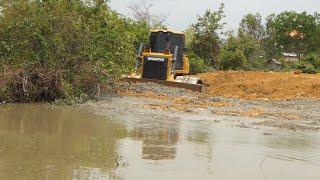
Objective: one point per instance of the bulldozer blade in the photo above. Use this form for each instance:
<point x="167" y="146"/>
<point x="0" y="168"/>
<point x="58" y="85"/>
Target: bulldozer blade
<point x="192" y="87"/>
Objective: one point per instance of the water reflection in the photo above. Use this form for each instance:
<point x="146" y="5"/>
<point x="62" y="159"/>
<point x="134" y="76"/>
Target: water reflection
<point x="159" y="138"/>
<point x="293" y="148"/>
<point x="45" y="142"/>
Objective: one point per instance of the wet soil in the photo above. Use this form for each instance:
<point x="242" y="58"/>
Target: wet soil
<point x="139" y="99"/>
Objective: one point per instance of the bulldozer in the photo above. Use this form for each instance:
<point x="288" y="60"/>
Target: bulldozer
<point x="163" y="61"/>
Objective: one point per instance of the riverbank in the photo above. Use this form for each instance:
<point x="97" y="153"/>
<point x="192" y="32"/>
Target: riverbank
<point x="152" y="101"/>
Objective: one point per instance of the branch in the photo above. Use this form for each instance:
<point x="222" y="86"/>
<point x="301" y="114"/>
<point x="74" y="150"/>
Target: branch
<point x="262" y="162"/>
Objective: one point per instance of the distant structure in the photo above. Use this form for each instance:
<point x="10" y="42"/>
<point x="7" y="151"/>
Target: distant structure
<point x="274" y="64"/>
<point x="290" y="57"/>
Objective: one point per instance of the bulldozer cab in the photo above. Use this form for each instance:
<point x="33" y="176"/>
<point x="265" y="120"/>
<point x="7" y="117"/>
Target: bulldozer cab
<point x="163" y="62"/>
<point x="162" y="41"/>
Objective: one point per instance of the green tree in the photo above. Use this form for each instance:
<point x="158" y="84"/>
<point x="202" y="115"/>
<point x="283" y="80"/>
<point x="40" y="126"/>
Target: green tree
<point x="197" y="65"/>
<point x="251" y="25"/>
<point x="292" y="32"/>
<point x="189" y="37"/>
<point x="63" y="49"/>
<point x="207" y="41"/>
<point x="232" y="55"/>
<point x="140" y="31"/>
<point x="251" y="33"/>
<point x="269" y="44"/>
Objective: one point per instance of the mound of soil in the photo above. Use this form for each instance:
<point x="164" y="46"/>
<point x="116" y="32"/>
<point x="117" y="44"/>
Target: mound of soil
<point x="261" y="85"/>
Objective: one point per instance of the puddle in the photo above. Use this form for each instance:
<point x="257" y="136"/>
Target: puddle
<point x="46" y="142"/>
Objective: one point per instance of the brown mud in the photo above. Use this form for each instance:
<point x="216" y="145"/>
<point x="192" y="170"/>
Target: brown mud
<point x="281" y="110"/>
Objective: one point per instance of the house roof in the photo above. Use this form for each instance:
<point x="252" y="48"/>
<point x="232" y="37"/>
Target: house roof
<point x="290" y="54"/>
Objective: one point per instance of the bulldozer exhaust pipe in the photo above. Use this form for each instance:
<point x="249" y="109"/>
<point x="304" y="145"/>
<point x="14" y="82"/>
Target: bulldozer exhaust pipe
<point x="174" y="60"/>
<point x="138" y="57"/>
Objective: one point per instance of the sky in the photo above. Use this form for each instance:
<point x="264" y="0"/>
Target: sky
<point x="182" y="13"/>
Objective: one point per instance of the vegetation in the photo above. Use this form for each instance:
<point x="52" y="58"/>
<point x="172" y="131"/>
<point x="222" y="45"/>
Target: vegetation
<point x="75" y="50"/>
<point x="63" y="49"/>
<point x="197" y="65"/>
<point x="232" y="55"/>
<point x="255" y="42"/>
<point x="142" y="12"/>
<point x="206" y="40"/>
<point x="310" y="64"/>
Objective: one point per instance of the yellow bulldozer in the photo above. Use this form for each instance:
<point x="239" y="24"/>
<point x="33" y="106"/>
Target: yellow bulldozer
<point x="163" y="61"/>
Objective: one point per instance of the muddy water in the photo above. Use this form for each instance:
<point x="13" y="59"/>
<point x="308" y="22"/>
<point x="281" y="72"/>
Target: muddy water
<point x="46" y="142"/>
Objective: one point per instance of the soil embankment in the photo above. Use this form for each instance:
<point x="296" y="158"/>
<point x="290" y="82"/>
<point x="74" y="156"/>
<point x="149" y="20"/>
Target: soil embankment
<point x="262" y="85"/>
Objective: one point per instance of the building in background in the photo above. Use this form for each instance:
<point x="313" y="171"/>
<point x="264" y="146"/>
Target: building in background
<point x="290" y="57"/>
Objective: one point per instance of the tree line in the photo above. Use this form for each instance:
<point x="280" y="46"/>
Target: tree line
<point x="255" y="41"/>
<point x="251" y="45"/>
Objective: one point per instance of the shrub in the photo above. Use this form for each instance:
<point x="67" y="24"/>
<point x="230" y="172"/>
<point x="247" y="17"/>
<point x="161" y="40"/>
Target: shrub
<point x="232" y="55"/>
<point x="309" y="64"/>
<point x="313" y="59"/>
<point x="232" y="60"/>
<point x="308" y="68"/>
<point x="197" y="65"/>
<point x="257" y="64"/>
<point x="63" y="49"/>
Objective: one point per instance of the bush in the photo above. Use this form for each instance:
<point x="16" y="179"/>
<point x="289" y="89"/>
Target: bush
<point x="313" y="59"/>
<point x="232" y="55"/>
<point x="309" y="64"/>
<point x="63" y="49"/>
<point x="257" y="64"/>
<point x="308" y="68"/>
<point x="286" y="65"/>
<point x="234" y="60"/>
<point x="197" y="65"/>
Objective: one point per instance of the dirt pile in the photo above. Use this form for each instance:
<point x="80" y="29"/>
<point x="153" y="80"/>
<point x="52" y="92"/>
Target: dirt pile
<point x="261" y="85"/>
<point x="230" y="84"/>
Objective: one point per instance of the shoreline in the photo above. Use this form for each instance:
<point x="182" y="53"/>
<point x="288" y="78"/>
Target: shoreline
<point x="143" y="101"/>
